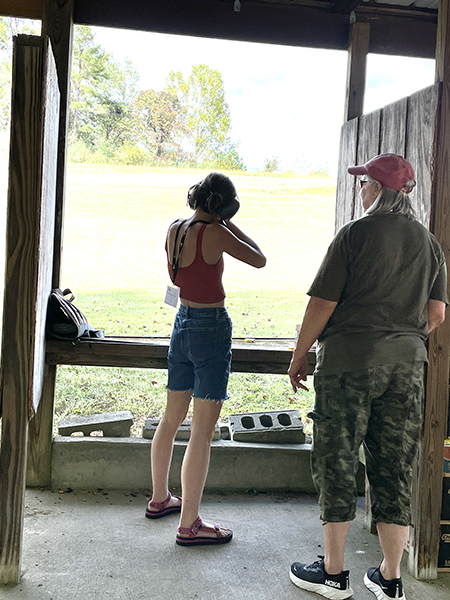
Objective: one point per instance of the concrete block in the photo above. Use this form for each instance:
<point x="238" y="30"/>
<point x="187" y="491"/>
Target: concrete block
<point x="271" y="427"/>
<point x="183" y="433"/>
<point x="114" y="424"/>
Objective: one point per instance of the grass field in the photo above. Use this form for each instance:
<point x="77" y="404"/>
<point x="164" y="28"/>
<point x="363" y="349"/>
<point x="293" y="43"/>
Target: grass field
<point x="114" y="261"/>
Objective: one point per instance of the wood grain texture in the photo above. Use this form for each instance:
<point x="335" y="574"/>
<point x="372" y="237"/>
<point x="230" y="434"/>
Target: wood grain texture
<point x="260" y="356"/>
<point x="393" y="127"/>
<point x="28" y="274"/>
<point x="26" y="9"/>
<point x="443" y="43"/>
<point x="58" y="25"/>
<point x="368" y="147"/>
<point x="422" y="114"/>
<point x="40" y="434"/>
<point x="358" y="48"/>
<point x="45" y="219"/>
<point x="345" y="190"/>
<point x="427" y="483"/>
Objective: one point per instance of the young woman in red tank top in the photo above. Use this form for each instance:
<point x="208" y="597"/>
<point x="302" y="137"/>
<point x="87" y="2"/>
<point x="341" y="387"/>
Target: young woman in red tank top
<point x="200" y="350"/>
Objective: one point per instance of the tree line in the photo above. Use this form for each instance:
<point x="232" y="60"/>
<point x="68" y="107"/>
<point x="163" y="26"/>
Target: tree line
<point x="112" y="119"/>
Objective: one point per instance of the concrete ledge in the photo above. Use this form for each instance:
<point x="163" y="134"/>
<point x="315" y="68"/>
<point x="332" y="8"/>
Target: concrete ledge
<point x="124" y="463"/>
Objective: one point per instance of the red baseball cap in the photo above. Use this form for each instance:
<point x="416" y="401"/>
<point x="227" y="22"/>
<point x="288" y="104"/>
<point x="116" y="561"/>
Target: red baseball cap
<point x="391" y="170"/>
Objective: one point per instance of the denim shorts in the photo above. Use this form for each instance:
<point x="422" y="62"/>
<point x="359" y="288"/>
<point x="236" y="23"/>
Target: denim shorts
<point x="199" y="356"/>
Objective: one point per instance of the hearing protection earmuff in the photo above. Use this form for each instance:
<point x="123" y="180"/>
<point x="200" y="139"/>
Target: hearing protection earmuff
<point x="224" y="212"/>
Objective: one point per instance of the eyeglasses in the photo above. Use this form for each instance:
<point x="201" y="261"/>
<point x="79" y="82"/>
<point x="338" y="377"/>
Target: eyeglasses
<point x="362" y="182"/>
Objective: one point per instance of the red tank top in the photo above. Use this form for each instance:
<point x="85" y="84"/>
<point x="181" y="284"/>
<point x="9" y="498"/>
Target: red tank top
<point x="200" y="282"/>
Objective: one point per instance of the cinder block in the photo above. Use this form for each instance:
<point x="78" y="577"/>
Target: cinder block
<point x="183" y="433"/>
<point x="114" y="424"/>
<point x="271" y="427"/>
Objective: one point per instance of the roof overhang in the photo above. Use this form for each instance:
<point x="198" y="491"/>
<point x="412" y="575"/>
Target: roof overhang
<point x="395" y="28"/>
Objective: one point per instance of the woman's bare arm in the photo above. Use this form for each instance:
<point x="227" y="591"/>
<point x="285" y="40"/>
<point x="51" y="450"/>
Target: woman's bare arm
<point x="232" y="240"/>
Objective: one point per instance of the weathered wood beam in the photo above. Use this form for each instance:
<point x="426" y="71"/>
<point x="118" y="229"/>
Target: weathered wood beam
<point x="24" y="9"/>
<point x="29" y="252"/>
<point x="427" y="482"/>
<point x="397" y="31"/>
<point x="58" y="25"/>
<point x="443" y="42"/>
<point x="345" y="7"/>
<point x="358" y="48"/>
<point x="260" y="356"/>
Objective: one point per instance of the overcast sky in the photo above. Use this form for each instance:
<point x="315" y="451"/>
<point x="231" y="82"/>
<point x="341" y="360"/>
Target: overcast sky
<point x="284" y="101"/>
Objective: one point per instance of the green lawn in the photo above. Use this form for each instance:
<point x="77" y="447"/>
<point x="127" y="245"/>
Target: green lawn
<point x="114" y="261"/>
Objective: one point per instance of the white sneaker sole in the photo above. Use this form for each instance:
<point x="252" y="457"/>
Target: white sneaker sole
<point x="320" y="588"/>
<point x="373" y="587"/>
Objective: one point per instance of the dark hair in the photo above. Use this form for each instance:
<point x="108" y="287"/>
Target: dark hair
<point x="216" y="190"/>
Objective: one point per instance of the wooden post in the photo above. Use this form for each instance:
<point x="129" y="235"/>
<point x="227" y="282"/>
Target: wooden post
<point x="29" y="254"/>
<point x="443" y="43"/>
<point x="358" y="49"/>
<point x="427" y="476"/>
<point x="427" y="481"/>
<point x="58" y="25"/>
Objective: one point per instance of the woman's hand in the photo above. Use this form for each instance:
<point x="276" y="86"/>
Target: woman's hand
<point x="298" y="371"/>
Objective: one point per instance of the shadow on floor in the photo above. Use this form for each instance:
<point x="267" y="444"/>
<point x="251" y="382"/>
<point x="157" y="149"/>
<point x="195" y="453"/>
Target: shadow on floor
<point x="98" y="545"/>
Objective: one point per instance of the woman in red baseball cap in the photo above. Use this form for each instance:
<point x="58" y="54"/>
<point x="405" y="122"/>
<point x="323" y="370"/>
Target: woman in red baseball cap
<point x="381" y="289"/>
<point x="386" y="181"/>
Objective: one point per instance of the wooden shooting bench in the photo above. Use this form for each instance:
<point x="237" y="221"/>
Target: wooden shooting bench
<point x="250" y="355"/>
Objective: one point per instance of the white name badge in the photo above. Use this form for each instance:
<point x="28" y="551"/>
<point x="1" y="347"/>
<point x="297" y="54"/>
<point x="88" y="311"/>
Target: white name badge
<point x="172" y="295"/>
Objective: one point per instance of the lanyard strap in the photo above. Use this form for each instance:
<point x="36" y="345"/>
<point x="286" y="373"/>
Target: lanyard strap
<point x="175" y="258"/>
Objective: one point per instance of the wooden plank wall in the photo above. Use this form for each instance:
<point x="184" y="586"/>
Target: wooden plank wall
<point x="427" y="474"/>
<point x="368" y="146"/>
<point x="345" y="183"/>
<point x="422" y="113"/>
<point x="404" y="127"/>
<point x="29" y="256"/>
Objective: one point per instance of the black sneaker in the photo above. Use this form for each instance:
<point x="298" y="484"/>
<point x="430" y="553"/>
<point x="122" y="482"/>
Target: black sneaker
<point x="382" y="588"/>
<point x="314" y="578"/>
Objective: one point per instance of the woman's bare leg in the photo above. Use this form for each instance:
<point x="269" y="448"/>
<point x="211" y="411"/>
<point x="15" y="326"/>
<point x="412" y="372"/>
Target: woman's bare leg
<point x="162" y="444"/>
<point x="196" y="460"/>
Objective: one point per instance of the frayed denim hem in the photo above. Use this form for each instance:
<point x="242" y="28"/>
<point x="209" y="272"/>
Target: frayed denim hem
<point x="211" y="400"/>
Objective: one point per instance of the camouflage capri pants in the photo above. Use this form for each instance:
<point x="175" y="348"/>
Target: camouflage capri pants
<point x="380" y="407"/>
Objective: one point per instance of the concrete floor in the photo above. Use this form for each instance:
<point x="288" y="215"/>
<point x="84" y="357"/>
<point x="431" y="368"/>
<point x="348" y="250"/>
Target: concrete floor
<point x="83" y="545"/>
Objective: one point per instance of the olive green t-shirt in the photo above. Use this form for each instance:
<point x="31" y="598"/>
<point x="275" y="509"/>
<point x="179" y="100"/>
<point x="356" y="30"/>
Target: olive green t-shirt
<point x="381" y="270"/>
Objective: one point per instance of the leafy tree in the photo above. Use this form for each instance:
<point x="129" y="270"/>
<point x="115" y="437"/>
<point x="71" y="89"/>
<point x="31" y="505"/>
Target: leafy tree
<point x="202" y="95"/>
<point x="160" y="123"/>
<point x="102" y="93"/>
<point x="272" y="164"/>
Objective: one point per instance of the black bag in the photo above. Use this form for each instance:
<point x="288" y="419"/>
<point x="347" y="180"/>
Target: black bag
<point x="65" y="321"/>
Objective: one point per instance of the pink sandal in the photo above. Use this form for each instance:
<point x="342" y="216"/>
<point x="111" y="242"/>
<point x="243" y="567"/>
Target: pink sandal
<point x="189" y="536"/>
<point x="161" y="508"/>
